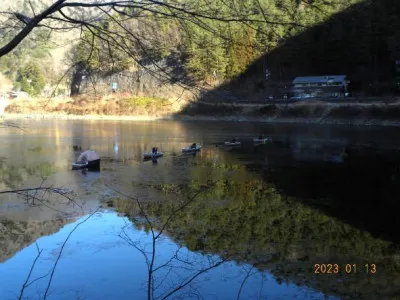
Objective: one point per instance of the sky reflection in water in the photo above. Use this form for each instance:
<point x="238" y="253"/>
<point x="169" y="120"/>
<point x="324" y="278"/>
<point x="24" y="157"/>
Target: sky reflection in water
<point x="98" y="264"/>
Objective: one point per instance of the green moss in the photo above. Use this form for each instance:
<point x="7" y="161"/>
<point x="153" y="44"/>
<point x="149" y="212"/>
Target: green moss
<point x="36" y="149"/>
<point x="123" y="205"/>
<point x="46" y="169"/>
<point x="145" y="102"/>
<point x="169" y="188"/>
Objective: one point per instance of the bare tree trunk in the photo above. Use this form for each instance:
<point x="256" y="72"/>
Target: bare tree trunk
<point x="77" y="79"/>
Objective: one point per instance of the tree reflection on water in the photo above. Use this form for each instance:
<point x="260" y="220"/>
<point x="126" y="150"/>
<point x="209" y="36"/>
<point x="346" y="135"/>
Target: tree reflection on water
<point x="269" y="225"/>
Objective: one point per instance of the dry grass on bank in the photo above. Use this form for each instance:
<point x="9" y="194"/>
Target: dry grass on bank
<point x="111" y="105"/>
<point x="203" y="109"/>
<point x="301" y="110"/>
<point x="331" y="111"/>
<point x="128" y="105"/>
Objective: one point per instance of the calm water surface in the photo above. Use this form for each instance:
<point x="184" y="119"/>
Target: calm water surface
<point x="248" y="223"/>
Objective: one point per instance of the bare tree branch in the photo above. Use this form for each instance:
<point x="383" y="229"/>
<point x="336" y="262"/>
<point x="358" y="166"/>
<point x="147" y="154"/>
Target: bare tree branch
<point x="248" y="274"/>
<point x="177" y="11"/>
<point x="50" y="189"/>
<point x="32" y="195"/>
<point x="33" y="22"/>
<point x="39" y="252"/>
<point x="192" y="278"/>
<point x="62" y="248"/>
<point x="150" y="258"/>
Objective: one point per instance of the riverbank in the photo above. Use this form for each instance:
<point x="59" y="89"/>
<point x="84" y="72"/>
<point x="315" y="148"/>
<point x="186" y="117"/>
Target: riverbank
<point x="303" y="113"/>
<point x="118" y="106"/>
<point x="306" y="112"/>
<point x="63" y="116"/>
<point x="52" y="116"/>
<point x="293" y="120"/>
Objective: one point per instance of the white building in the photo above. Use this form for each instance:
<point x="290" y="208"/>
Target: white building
<point x="320" y="86"/>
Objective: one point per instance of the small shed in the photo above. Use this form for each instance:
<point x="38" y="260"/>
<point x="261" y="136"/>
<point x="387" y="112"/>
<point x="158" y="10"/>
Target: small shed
<point x="320" y="86"/>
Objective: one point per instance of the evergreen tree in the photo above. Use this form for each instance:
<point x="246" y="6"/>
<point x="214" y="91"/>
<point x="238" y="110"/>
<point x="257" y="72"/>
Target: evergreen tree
<point x="30" y="79"/>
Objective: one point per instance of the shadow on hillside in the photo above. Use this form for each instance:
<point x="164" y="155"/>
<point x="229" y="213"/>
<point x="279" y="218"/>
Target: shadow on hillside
<point x="362" y="41"/>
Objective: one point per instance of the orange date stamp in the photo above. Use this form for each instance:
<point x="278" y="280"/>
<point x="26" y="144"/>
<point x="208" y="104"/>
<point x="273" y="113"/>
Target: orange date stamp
<point x="344" y="268"/>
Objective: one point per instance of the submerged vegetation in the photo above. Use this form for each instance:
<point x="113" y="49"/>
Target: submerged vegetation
<point x="12" y="176"/>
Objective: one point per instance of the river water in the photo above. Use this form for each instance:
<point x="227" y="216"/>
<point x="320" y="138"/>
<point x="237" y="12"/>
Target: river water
<point x="312" y="214"/>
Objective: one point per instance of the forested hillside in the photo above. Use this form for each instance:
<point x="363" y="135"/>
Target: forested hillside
<point x="253" y="46"/>
<point x="38" y="63"/>
<point x="361" y="41"/>
<point x="207" y="50"/>
<point x="30" y="66"/>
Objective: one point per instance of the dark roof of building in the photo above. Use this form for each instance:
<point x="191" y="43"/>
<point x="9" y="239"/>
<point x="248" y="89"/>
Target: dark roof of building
<point x="320" y="79"/>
